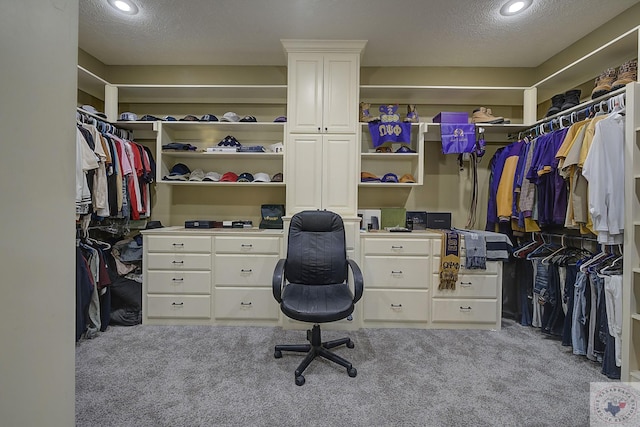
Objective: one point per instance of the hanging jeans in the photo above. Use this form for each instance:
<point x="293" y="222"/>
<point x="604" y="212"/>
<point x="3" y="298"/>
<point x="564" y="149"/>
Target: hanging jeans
<point x="609" y="367"/>
<point x="553" y="314"/>
<point x="569" y="293"/>
<point x="580" y="315"/>
<point x="595" y="346"/>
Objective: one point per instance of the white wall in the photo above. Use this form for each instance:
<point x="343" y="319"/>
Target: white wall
<point x="38" y="55"/>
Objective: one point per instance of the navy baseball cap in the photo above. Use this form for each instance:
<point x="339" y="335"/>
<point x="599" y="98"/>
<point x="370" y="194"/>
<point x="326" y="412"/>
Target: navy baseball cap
<point x="245" y="177"/>
<point x="209" y="118"/>
<point x="248" y="119"/>
<point x="390" y="177"/>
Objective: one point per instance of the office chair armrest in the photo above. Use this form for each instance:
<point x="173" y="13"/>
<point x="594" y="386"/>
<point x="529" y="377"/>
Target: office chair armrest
<point x="358" y="281"/>
<point x="278" y="278"/>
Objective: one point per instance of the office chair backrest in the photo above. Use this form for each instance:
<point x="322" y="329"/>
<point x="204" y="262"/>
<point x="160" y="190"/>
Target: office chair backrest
<point x="316" y="252"/>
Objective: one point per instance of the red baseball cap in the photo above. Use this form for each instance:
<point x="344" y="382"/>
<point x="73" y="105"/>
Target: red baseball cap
<point x="229" y="177"/>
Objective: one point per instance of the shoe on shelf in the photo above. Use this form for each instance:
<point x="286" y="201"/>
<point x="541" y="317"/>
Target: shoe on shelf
<point x="556" y="104"/>
<point x="365" y="115"/>
<point x="571" y="99"/>
<point x="412" y="114"/>
<point x="627" y="73"/>
<point x="484" y="115"/>
<point x="604" y="82"/>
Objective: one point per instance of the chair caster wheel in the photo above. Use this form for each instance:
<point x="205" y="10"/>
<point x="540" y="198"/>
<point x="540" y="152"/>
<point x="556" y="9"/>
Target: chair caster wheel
<point x="350" y="344"/>
<point x="277" y="354"/>
<point x="352" y="372"/>
<point x="299" y="380"/>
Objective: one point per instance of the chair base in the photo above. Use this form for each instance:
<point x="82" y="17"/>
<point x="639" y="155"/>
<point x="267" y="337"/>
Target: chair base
<point x="314" y="349"/>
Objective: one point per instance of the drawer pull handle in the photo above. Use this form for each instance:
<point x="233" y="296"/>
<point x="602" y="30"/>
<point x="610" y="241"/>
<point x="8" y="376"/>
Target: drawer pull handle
<point x="242" y="270"/>
<point x="396" y="272"/>
<point x="246" y="246"/>
<point x="177" y="303"/>
<point x="396" y="305"/>
<point x="245" y="303"/>
<point x="177" y="262"/>
<point x="396" y="247"/>
<point x="465" y="308"/>
<point x="178" y="279"/>
<point x="466" y="284"/>
<point x="179" y="245"/>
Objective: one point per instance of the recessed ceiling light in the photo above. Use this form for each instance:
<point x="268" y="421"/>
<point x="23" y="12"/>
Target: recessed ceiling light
<point x="124" y="6"/>
<point x="513" y="7"/>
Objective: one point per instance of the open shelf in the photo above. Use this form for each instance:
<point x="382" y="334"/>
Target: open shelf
<point x="193" y="94"/>
<point x="444" y="95"/>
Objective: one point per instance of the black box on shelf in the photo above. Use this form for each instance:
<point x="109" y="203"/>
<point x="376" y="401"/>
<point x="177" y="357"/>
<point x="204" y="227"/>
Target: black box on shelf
<point x="416" y="220"/>
<point x="200" y="223"/>
<point x="439" y="220"/>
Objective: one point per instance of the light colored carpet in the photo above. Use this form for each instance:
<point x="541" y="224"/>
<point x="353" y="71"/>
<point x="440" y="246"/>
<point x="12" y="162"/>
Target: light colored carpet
<point x="227" y="376"/>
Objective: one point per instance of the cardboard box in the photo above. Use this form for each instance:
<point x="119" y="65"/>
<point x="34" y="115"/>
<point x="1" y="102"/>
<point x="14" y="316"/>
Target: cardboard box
<point x="451" y="117"/>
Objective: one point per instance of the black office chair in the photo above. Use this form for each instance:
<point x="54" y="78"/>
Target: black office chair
<point x="311" y="284"/>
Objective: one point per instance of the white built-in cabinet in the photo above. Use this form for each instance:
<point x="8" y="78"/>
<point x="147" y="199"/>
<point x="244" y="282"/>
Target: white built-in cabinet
<point x="322" y="125"/>
<point x="631" y="274"/>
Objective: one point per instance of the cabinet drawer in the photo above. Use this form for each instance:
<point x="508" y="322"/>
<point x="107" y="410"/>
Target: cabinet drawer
<point x="245" y="303"/>
<point x="177" y="262"/>
<point x="179" y="306"/>
<point x="468" y="286"/>
<point x="178" y="282"/>
<point x="464" y="310"/>
<point x="396" y="246"/>
<point x="179" y="244"/>
<point x="396" y="272"/>
<point x="244" y="270"/>
<point x="492" y="266"/>
<point x="247" y="245"/>
<point x="396" y="305"/>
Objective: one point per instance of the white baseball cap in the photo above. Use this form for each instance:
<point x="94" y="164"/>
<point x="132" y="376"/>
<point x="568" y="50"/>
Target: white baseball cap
<point x="261" y="177"/>
<point x="230" y="116"/>
<point x="212" y="176"/>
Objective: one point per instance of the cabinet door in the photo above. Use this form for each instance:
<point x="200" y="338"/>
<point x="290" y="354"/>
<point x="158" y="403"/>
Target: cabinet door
<point x="340" y="95"/>
<point x="304" y="173"/>
<point x="340" y="165"/>
<point x="305" y="90"/>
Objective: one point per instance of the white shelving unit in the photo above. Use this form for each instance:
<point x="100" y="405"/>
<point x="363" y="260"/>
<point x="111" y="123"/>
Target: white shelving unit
<point x="631" y="273"/>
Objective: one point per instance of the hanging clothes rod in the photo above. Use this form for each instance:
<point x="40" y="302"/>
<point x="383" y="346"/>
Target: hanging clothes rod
<point x="569" y="116"/>
<point x="123" y="133"/>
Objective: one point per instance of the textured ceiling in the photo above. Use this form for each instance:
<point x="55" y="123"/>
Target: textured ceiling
<point x="399" y="32"/>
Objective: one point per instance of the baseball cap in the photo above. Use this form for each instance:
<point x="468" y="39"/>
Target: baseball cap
<point x="280" y="119"/>
<point x="277" y="177"/>
<point x="149" y="118"/>
<point x="245" y="177"/>
<point x="368" y="177"/>
<point x="248" y="119"/>
<point x="212" y="176"/>
<point x="179" y="172"/>
<point x="390" y="177"/>
<point x="229" y="177"/>
<point x="405" y="149"/>
<point x="229" y="141"/>
<point x="169" y="119"/>
<point x="128" y="116"/>
<point x="230" y="116"/>
<point x="189" y="118"/>
<point x="91" y="109"/>
<point x="196" y="175"/>
<point x="261" y="177"/>
<point x="407" y="177"/>
<point x="209" y="118"/>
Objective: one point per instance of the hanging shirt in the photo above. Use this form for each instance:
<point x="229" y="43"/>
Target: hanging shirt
<point x="604" y="170"/>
